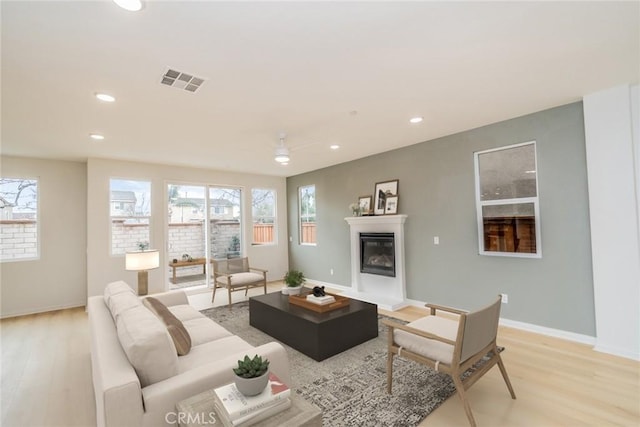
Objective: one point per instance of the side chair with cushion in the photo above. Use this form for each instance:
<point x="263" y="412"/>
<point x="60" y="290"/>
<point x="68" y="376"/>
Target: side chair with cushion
<point x="235" y="274"/>
<point x="450" y="345"/>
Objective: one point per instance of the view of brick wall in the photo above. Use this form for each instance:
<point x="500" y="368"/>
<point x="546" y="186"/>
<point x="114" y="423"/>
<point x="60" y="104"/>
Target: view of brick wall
<point x="18" y="239"/>
<point x="222" y="233"/>
<point x="125" y="237"/>
<point x="186" y="238"/>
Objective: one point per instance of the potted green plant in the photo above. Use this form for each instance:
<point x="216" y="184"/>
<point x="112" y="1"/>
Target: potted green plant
<point x="293" y="280"/>
<point x="251" y="375"/>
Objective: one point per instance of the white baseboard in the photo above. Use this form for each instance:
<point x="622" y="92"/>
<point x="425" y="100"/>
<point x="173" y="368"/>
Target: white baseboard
<point x="327" y="284"/>
<point x="617" y="352"/>
<point x="5" y="315"/>
<point x="550" y="332"/>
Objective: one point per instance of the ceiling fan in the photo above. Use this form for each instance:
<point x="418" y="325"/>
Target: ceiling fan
<point x="282" y="152"/>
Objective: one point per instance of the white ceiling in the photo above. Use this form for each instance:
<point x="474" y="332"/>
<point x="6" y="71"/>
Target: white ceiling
<point x="347" y="73"/>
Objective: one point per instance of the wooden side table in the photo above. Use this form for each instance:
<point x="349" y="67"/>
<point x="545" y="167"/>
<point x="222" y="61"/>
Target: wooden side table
<point x="193" y="262"/>
<point x="199" y="411"/>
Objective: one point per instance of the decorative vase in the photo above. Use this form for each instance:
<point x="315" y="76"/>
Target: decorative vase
<point x="252" y="386"/>
<point x="294" y="290"/>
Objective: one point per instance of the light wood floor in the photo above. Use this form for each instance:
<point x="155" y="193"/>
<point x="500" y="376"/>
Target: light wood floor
<point x="46" y="378"/>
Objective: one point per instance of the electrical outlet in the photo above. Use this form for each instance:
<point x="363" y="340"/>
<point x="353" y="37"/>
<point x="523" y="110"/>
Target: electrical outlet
<point x="331" y="271"/>
<point x="436" y="240"/>
<point x="505" y="298"/>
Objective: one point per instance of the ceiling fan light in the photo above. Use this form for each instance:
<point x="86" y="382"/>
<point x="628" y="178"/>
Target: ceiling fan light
<point x="282" y="155"/>
<point x="130" y="5"/>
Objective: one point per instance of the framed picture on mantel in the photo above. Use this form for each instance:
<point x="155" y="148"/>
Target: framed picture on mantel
<point x="391" y="205"/>
<point x="384" y="190"/>
<point x="365" y="204"/>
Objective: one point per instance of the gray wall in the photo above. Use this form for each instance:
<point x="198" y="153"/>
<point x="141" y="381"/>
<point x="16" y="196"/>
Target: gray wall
<point x="436" y="191"/>
<point x="58" y="279"/>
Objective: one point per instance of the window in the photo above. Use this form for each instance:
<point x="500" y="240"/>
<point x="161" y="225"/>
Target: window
<point x="307" y="203"/>
<point x="507" y="201"/>
<point x="225" y="207"/>
<point x="263" y="208"/>
<point x="130" y="214"/>
<point x="18" y="219"/>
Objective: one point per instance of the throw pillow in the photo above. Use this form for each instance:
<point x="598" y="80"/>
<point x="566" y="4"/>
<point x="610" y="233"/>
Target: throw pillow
<point x="147" y="344"/>
<point x="178" y="332"/>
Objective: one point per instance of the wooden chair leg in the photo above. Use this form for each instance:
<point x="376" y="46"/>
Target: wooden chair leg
<point x="213" y="297"/>
<point x="389" y="371"/>
<point x="229" y="289"/>
<point x="265" y="287"/>
<point x="503" y="371"/>
<point x="463" y="398"/>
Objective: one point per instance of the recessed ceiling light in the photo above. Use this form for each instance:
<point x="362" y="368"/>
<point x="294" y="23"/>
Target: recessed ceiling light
<point x="334" y="146"/>
<point x="130" y="5"/>
<point x="415" y="120"/>
<point x="104" y="97"/>
<point x="96" y="136"/>
<point x="284" y="163"/>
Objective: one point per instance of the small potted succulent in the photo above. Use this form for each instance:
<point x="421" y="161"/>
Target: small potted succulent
<point x="251" y="375"/>
<point x="293" y="280"/>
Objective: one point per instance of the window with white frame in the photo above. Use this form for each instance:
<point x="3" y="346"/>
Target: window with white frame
<point x="130" y="211"/>
<point x="263" y="208"/>
<point x="307" y="204"/>
<point x="19" y="239"/>
<point x="507" y="201"/>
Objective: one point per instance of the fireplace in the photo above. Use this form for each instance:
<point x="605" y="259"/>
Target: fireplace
<point x="377" y="254"/>
<point x="385" y="285"/>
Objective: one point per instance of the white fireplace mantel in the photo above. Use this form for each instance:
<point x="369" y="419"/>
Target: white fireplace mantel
<point x="389" y="293"/>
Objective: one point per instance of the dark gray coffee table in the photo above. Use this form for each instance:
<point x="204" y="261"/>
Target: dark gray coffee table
<point x="318" y="335"/>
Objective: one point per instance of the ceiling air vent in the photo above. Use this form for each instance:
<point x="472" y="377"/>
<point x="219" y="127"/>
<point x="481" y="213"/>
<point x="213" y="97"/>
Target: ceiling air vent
<point x="181" y="80"/>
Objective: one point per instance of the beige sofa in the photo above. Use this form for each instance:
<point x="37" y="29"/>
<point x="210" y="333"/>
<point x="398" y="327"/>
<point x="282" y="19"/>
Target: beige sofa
<point x="137" y="375"/>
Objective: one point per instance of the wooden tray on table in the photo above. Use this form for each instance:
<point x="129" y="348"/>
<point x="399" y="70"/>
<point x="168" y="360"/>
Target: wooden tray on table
<point x="301" y="300"/>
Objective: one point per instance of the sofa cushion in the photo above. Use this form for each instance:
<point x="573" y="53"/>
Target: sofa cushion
<point x="240" y="279"/>
<point x="203" y="330"/>
<point x="147" y="344"/>
<point x="213" y="351"/>
<point x="117" y="303"/>
<point x="185" y="312"/>
<point x="115" y="288"/>
<point x="176" y="329"/>
<point x="437" y="350"/>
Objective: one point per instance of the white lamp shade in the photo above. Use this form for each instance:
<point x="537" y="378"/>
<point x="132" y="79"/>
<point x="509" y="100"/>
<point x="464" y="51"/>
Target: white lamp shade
<point x="145" y="260"/>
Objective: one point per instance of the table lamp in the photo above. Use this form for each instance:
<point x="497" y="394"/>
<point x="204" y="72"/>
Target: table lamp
<point x="141" y="262"/>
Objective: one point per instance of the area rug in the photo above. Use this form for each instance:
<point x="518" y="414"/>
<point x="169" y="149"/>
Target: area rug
<point x="350" y="387"/>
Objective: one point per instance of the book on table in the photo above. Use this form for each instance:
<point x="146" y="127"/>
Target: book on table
<point x="238" y="408"/>
<point x="254" y="417"/>
<point x="327" y="299"/>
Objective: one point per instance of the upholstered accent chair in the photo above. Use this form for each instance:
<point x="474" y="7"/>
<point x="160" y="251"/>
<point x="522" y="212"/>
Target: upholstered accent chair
<point x="235" y="274"/>
<point x="450" y="345"/>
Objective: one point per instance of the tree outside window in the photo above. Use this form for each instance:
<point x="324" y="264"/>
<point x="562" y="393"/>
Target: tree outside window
<point x="130" y="210"/>
<point x="263" y="209"/>
<point x="307" y="203"/>
<point x="19" y="240"/>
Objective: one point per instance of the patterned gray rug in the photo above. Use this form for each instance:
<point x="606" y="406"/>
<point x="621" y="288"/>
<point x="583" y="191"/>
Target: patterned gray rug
<point x="350" y="387"/>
